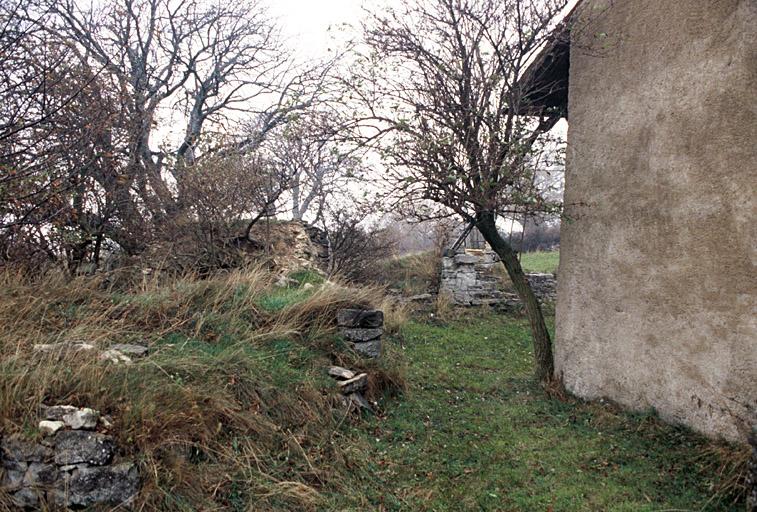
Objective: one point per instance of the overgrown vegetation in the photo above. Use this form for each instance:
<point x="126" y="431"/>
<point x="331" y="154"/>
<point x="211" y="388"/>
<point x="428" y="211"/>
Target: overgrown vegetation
<point x="231" y="410"/>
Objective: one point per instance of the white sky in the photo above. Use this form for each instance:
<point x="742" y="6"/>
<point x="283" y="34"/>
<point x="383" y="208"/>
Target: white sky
<point x="306" y="23"/>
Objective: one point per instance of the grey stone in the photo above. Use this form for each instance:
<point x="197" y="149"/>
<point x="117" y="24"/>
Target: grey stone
<point x="84" y="418"/>
<point x="56" y="412"/>
<point x="423" y="297"/>
<point x="130" y="349"/>
<point x="361" y="335"/>
<point x="48" y="427"/>
<point x="466" y="259"/>
<point x="26" y="498"/>
<point x="341" y="373"/>
<point x="40" y="474"/>
<point x="357" y="383"/>
<point x="357" y="401"/>
<point x="368" y="348"/>
<point x="11" y="479"/>
<point x="114" y="356"/>
<point x="76" y="446"/>
<point x="114" y="485"/>
<point x="365" y="318"/>
<point x="16" y="448"/>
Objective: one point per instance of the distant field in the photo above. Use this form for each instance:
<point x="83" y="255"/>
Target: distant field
<point x="540" y="261"/>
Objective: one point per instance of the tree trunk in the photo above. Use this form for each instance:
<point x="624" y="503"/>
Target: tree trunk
<point x="545" y="365"/>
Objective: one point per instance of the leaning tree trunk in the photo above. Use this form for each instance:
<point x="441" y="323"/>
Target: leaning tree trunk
<point x="545" y="364"/>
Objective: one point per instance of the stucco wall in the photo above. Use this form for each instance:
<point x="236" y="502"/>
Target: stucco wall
<point x="656" y="297"/>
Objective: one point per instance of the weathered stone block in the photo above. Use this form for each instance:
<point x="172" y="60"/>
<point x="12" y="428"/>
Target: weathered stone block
<point x="12" y="479"/>
<point x="365" y="318"/>
<point x="360" y="335"/>
<point x="357" y="383"/>
<point x="466" y="259"/>
<point x="48" y="428"/>
<point x="26" y="498"/>
<point x="109" y="484"/>
<point x="76" y="446"/>
<point x="130" y="349"/>
<point x="40" y="474"/>
<point x="56" y="412"/>
<point x="16" y="448"/>
<point x="369" y="348"/>
<point x="85" y="418"/>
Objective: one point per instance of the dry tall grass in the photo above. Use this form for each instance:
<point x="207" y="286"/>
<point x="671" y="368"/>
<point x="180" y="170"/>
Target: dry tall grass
<point x="231" y="410"/>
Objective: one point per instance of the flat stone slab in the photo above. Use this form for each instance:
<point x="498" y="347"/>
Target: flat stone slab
<point x="340" y="373"/>
<point x="114" y="484"/>
<point x="357" y="383"/>
<point x="77" y="446"/>
<point x="130" y="349"/>
<point x="56" y="412"/>
<point x="365" y="318"/>
<point x="360" y="335"/>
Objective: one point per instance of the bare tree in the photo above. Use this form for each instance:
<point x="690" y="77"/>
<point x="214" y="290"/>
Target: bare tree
<point x="447" y="106"/>
<point x="309" y="151"/>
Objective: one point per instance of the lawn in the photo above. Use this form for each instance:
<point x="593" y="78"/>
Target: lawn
<point x="540" y="261"/>
<point x="475" y="433"/>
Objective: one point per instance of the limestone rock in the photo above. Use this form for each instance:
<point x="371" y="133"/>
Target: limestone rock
<point x="130" y="349"/>
<point x="62" y="348"/>
<point x="357" y="383"/>
<point x="88" y="486"/>
<point x="84" y="418"/>
<point x="360" y="335"/>
<point x="40" y="474"/>
<point x="466" y="259"/>
<point x="365" y="318"/>
<point x="114" y="356"/>
<point x="340" y="373"/>
<point x="16" y="448"/>
<point x="12" y="479"/>
<point x="77" y="446"/>
<point x="356" y="401"/>
<point x="49" y="428"/>
<point x="370" y="349"/>
<point x="26" y="498"/>
<point x="56" y="412"/>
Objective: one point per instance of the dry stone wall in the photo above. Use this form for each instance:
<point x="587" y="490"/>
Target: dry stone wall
<point x="469" y="280"/>
<point x="74" y="465"/>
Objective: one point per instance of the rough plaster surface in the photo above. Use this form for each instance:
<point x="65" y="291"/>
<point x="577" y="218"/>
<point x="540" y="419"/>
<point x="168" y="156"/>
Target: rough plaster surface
<point x="656" y="298"/>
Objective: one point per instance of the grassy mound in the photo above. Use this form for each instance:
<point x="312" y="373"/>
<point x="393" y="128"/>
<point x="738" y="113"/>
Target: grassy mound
<point x="231" y="409"/>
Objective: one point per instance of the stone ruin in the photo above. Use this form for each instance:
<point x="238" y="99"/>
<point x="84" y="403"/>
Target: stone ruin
<point x="467" y="275"/>
<point x="362" y="329"/>
<point x="74" y="464"/>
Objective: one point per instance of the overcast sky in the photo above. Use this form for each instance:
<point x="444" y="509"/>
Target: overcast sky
<point x="306" y="23"/>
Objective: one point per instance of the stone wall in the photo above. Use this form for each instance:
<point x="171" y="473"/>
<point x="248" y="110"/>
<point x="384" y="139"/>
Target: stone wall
<point x="656" y="302"/>
<point x="74" y="463"/>
<point x="468" y="279"/>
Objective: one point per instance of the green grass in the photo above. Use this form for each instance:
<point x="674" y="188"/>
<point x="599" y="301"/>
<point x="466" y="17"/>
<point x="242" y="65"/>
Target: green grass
<point x="540" y="261"/>
<point x="474" y="433"/>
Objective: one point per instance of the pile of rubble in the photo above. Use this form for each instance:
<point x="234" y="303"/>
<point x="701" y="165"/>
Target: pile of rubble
<point x="351" y="386"/>
<point x="118" y="353"/>
<point x="73" y="465"/>
<point x="362" y="328"/>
